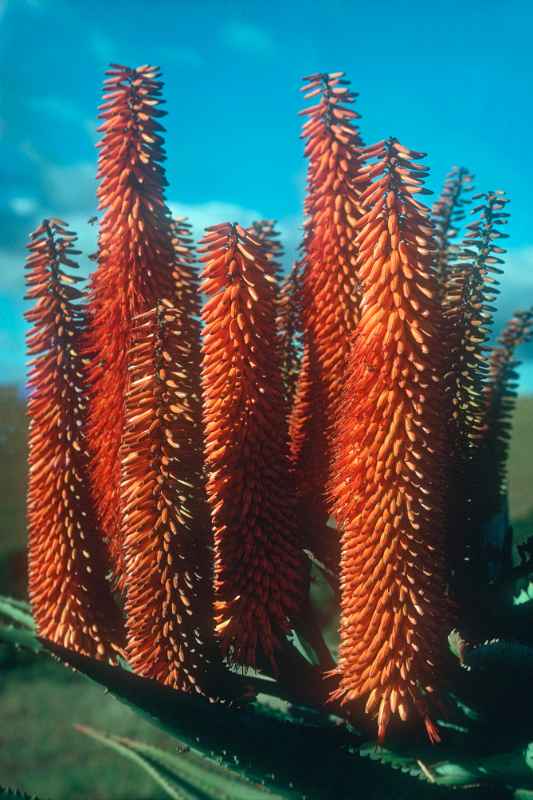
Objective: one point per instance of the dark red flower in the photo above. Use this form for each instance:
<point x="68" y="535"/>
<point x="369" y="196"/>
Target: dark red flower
<point x="71" y="600"/>
<point x="390" y="466"/>
<point x="165" y="519"/>
<point x="331" y="291"/>
<point x="135" y="268"/>
<point x="258" y="561"/>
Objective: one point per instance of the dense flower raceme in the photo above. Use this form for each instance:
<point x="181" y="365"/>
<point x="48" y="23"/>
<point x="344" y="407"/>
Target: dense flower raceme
<point x="135" y="269"/>
<point x="164" y="511"/>
<point x="70" y="597"/>
<point x="448" y="214"/>
<point x="331" y="295"/>
<point x="258" y="560"/>
<point x="210" y="472"/>
<point x="499" y="401"/>
<point x="469" y="291"/>
<point x="389" y="469"/>
<point x="289" y="325"/>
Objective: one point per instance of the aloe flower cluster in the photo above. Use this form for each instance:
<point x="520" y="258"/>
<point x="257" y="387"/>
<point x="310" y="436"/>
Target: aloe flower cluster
<point x="208" y="437"/>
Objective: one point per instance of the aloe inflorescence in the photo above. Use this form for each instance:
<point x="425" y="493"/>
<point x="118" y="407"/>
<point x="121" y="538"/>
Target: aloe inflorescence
<point x="208" y="441"/>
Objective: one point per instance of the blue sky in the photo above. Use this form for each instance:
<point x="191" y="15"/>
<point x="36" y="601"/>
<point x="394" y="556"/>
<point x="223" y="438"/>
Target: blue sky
<point x="452" y="79"/>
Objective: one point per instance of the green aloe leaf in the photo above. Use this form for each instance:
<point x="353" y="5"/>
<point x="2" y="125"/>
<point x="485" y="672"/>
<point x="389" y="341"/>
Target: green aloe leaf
<point x="17" y="611"/>
<point x="315" y="757"/>
<point x="20" y="637"/>
<point x="16" y="794"/>
<point x="168" y="785"/>
<point x="196" y="773"/>
<point x="452" y="768"/>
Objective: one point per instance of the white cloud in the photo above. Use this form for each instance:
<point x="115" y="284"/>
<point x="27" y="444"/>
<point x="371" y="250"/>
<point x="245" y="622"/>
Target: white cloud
<point x="202" y="215"/>
<point x="12" y="272"/>
<point x="518" y="268"/>
<point x="516" y="283"/>
<point x="247" y="38"/>
<point x="23" y="206"/>
<point x="71" y="187"/>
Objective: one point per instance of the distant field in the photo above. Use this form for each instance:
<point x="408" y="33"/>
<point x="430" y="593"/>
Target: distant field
<point x="521" y="461"/>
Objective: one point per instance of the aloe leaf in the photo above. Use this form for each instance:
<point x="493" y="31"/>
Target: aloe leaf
<point x="524" y="596"/>
<point x="16" y="794"/>
<point x="264" y="746"/>
<point x="112" y="742"/>
<point x="405" y="762"/>
<point x="20" y="637"/>
<point x="17" y="611"/>
<point x="199" y="773"/>
<point x="456" y="769"/>
<point x="14" y="601"/>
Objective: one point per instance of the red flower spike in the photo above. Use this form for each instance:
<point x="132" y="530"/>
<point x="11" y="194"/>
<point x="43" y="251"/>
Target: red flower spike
<point x="331" y="291"/>
<point x="259" y="575"/>
<point x="70" y="597"/>
<point x="390" y="464"/>
<point x="135" y="261"/>
<point x="499" y="400"/>
<point x="288" y="323"/>
<point x="165" y="515"/>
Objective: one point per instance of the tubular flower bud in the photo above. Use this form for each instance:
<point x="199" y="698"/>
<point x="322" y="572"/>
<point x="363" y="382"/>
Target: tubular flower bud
<point x="331" y="290"/>
<point x="135" y="260"/>
<point x="301" y="418"/>
<point x="471" y="289"/>
<point x="288" y="323"/>
<point x="259" y="577"/>
<point x="265" y="232"/>
<point x="70" y="597"/>
<point x="165" y="516"/>
<point x="388" y="480"/>
<point x="448" y="214"/>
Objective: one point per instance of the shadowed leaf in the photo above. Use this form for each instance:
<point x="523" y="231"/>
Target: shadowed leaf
<point x="189" y="769"/>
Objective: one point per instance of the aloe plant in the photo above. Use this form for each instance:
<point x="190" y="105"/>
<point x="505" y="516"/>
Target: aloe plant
<point x="181" y="478"/>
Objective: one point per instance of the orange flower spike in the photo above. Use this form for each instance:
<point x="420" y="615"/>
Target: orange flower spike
<point x="288" y="323"/>
<point x="388" y="478"/>
<point x="71" y="600"/>
<point x="164" y="508"/>
<point x="300" y="415"/>
<point x="135" y="256"/>
<point x="259" y="577"/>
<point x="331" y="291"/>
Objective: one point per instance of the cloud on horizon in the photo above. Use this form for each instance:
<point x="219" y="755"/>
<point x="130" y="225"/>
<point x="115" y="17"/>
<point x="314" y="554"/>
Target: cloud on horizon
<point x="247" y="38"/>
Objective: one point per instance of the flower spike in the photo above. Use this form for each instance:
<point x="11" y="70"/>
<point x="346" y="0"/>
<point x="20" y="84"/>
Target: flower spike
<point x="71" y="600"/>
<point x="499" y="402"/>
<point x="448" y="213"/>
<point x="471" y="288"/>
<point x="265" y="232"/>
<point x="165" y="515"/>
<point x="390" y="464"/>
<point x="135" y="260"/>
<point x="289" y="323"/>
<point x="331" y="289"/>
<point x="258" y="560"/>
